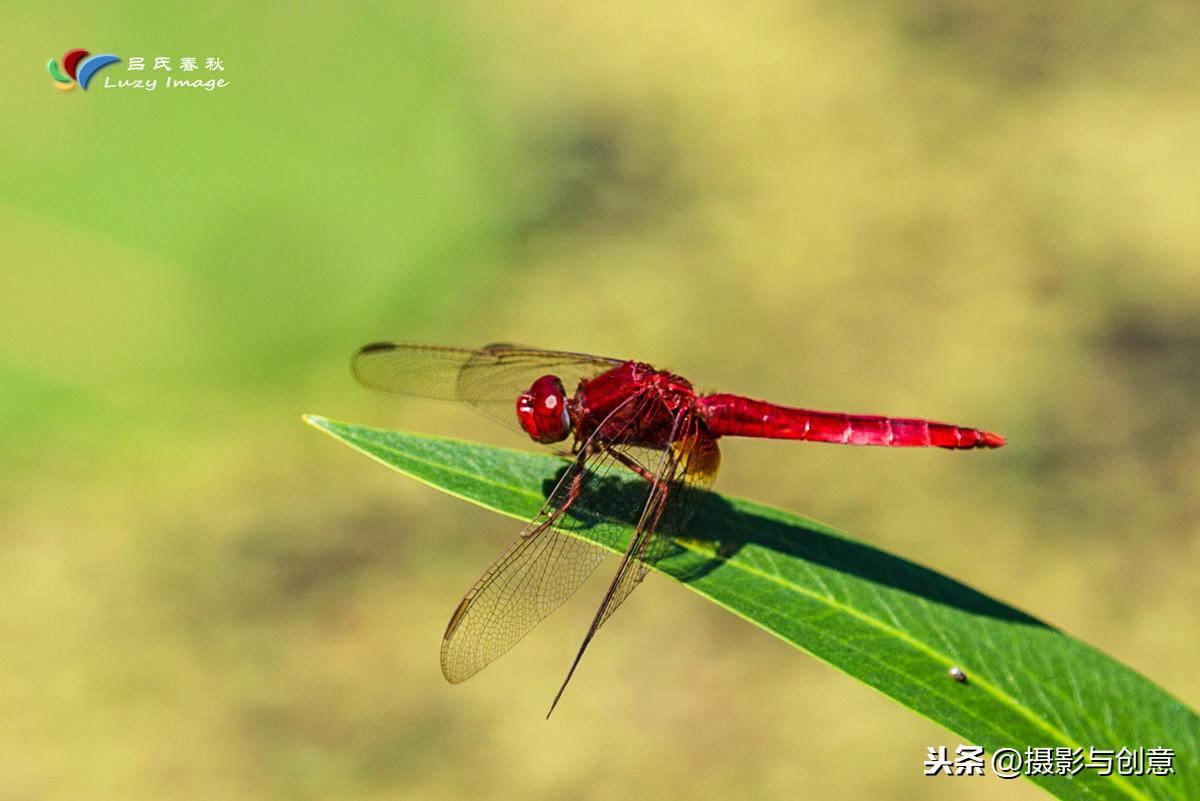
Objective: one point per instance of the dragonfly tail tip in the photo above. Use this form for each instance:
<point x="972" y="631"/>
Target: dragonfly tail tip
<point x="991" y="440"/>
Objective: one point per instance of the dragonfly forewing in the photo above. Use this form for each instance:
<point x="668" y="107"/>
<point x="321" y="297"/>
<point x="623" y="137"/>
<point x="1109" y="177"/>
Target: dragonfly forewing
<point x="545" y="565"/>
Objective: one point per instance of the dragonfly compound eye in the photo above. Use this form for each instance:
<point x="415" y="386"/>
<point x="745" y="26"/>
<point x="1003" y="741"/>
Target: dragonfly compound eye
<point x="542" y="410"/>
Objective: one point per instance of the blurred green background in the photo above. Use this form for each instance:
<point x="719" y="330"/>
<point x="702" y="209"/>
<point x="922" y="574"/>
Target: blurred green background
<point x="981" y="212"/>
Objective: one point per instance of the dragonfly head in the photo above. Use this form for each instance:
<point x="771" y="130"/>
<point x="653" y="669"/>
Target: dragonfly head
<point x="542" y="410"/>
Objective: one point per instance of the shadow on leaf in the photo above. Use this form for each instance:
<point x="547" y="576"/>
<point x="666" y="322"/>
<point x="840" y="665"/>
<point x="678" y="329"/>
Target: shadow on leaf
<point x="714" y="533"/>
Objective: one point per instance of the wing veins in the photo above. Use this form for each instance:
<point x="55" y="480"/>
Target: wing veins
<point x="519" y="567"/>
<point x="654" y="504"/>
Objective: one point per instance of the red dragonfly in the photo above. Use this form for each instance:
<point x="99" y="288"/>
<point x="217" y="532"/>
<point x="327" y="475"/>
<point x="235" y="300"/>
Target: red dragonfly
<point x="623" y="418"/>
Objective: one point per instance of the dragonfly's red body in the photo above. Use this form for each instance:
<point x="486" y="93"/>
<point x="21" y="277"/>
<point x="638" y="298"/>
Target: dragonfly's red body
<point x="596" y="407"/>
<point x="624" y="417"/>
<point x="736" y="416"/>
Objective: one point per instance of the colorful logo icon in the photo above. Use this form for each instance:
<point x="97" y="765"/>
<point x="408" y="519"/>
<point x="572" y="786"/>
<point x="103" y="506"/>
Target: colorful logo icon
<point x="78" y="66"/>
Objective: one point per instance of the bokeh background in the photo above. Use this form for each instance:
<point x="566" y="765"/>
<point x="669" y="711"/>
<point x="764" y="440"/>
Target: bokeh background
<point x="983" y="212"/>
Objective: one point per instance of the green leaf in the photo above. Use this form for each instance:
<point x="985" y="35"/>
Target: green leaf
<point x="893" y="625"/>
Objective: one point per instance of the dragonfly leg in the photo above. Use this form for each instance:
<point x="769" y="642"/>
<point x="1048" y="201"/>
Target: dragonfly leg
<point x="632" y="465"/>
<point x="658" y="484"/>
<point x="573" y="493"/>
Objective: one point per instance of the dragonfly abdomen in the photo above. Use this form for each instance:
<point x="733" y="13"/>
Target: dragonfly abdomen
<point x="735" y="416"/>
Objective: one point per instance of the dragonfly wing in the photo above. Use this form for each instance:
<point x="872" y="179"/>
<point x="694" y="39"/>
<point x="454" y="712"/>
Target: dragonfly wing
<point x="543" y="567"/>
<point x="489" y="378"/>
<point x="536" y="575"/>
<point x="686" y="470"/>
<point x="676" y="478"/>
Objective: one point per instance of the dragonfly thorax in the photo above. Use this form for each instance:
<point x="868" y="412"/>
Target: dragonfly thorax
<point x="542" y="410"/>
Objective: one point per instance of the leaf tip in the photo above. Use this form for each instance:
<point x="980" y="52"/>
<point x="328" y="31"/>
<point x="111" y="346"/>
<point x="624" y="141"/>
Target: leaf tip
<point x="316" y="421"/>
